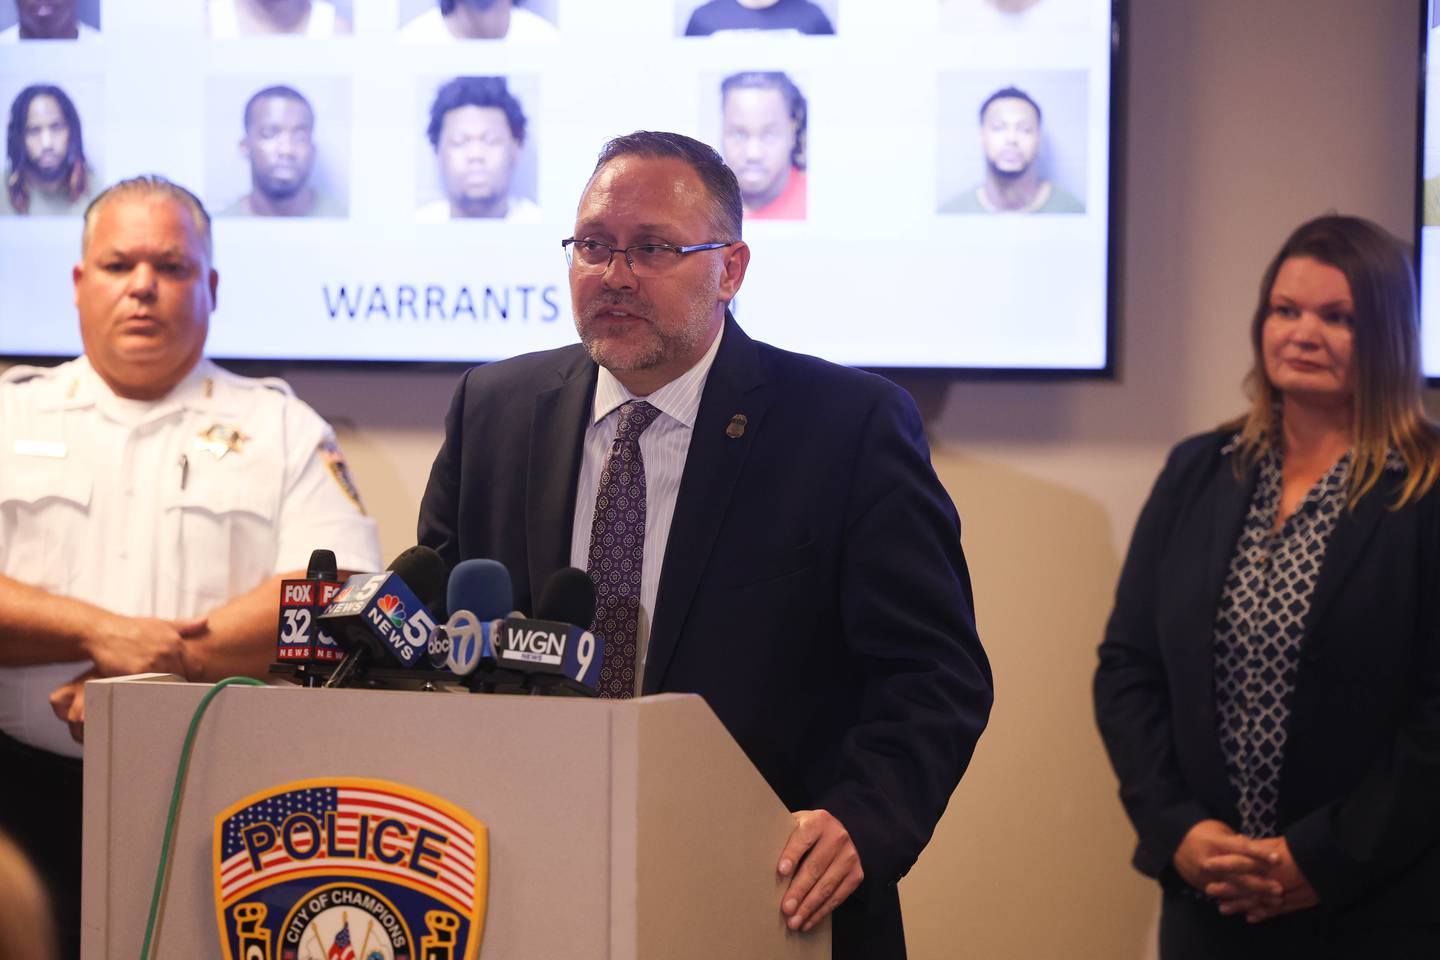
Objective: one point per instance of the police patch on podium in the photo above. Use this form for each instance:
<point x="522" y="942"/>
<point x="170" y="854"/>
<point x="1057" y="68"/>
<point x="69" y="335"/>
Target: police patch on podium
<point x="346" y="868"/>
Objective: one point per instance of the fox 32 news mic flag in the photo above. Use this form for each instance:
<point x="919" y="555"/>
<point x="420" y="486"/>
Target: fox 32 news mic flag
<point x="299" y="640"/>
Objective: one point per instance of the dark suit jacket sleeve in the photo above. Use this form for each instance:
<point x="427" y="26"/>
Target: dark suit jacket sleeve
<point x="1392" y="815"/>
<point x="907" y="615"/>
<point x="1132" y="696"/>
<point x="439" y="520"/>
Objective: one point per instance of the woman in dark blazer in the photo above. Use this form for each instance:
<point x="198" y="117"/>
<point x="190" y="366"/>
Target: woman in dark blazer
<point x="1269" y="681"/>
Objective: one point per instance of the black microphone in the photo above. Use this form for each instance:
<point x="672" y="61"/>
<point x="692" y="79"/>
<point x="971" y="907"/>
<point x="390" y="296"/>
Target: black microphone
<point x="322" y="565"/>
<point x="386" y="616"/>
<point x="425" y="572"/>
<point x="553" y="650"/>
<point x="569" y="596"/>
<point x="299" y="641"/>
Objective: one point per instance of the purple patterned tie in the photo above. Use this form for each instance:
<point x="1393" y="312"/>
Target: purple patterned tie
<point x="617" y="546"/>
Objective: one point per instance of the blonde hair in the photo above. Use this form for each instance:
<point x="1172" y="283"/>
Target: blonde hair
<point x="1388" y="413"/>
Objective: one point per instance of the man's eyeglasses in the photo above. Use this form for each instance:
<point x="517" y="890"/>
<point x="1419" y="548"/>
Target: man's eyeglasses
<point x="644" y="259"/>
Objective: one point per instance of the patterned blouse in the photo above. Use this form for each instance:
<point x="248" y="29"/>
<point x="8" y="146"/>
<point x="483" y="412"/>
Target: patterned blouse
<point x="1264" y="610"/>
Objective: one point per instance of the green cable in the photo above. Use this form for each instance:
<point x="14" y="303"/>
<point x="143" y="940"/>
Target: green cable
<point x="180" y="772"/>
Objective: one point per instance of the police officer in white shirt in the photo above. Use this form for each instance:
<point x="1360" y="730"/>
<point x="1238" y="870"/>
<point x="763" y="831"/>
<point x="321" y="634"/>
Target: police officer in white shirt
<point x="149" y="504"/>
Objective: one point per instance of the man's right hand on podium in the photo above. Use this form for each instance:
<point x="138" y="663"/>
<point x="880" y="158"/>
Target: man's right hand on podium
<point x="824" y="866"/>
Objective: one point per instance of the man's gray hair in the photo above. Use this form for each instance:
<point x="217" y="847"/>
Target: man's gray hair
<point x="151" y="185"/>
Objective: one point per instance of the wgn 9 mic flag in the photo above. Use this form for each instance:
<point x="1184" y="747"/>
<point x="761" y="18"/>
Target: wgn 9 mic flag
<point x="386" y="616"/>
<point x="555" y="653"/>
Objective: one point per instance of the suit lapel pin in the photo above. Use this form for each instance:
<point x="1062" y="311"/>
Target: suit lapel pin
<point x="735" y="429"/>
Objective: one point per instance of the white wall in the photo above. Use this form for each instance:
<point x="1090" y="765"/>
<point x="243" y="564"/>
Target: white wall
<point x="1245" y="117"/>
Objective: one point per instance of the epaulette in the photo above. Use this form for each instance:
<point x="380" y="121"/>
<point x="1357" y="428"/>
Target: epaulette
<point x="276" y="384"/>
<point x="233" y="381"/>
<point x="21" y="373"/>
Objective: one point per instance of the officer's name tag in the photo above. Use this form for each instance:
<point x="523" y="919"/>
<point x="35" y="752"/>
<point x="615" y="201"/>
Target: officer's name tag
<point x="53" y="449"/>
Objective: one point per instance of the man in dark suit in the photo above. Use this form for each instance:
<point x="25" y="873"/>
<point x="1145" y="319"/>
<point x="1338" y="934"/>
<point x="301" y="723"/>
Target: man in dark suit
<point x="764" y="529"/>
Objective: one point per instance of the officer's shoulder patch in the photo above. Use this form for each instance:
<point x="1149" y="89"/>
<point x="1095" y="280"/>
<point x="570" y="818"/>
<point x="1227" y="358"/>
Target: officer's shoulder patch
<point x="330" y="451"/>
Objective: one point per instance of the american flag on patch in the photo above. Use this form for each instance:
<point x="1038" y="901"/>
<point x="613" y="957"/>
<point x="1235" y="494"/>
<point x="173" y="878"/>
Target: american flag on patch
<point x="340" y="949"/>
<point x="454" y="861"/>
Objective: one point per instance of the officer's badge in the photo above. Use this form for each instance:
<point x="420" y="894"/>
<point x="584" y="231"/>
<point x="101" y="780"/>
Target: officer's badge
<point x="349" y="869"/>
<point x="335" y="460"/>
<point x="220" y="439"/>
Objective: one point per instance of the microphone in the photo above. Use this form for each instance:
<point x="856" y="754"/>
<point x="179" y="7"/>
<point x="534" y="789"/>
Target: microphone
<point x="322" y="566"/>
<point x="386" y="616"/>
<point x="569" y="596"/>
<point x="479" y="595"/>
<point x="299" y="641"/>
<point x="554" y="652"/>
<point x="426" y="574"/>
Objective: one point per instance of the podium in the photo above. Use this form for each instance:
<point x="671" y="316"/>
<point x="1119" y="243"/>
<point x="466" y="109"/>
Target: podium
<point x="617" y="830"/>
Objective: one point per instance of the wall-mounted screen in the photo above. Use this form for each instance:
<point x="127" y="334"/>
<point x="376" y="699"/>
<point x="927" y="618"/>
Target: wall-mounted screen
<point x="927" y="183"/>
<point x="1428" y="233"/>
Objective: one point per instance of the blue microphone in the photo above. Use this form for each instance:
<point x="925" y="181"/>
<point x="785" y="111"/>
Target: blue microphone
<point x="479" y="593"/>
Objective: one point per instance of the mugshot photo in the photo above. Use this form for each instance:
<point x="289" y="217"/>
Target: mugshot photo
<point x="277" y="147"/>
<point x="445" y="21"/>
<point x="315" y="19"/>
<point x="1012" y="142"/>
<point x="708" y="18"/>
<point x="49" y="20"/>
<point x="52" y="145"/>
<point x="478" y="151"/>
<point x="1016" y="16"/>
<point x="759" y="121"/>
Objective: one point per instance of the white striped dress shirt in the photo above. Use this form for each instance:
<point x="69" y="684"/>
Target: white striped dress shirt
<point x="663" y="446"/>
